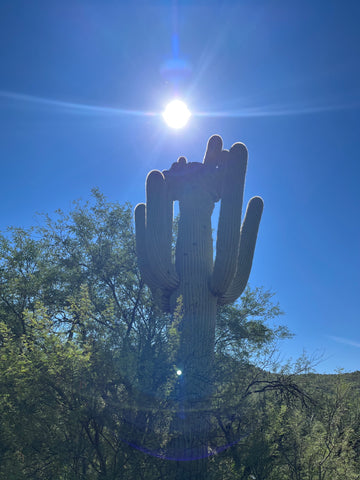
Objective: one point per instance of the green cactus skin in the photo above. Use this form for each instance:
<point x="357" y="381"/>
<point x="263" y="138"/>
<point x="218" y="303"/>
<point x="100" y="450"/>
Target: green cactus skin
<point x="200" y="282"/>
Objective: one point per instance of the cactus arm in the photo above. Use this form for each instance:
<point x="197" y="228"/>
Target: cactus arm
<point x="227" y="243"/>
<point x="248" y="234"/>
<point x="158" y="231"/>
<point x="168" y="227"/>
<point x="140" y="235"/>
<point x="160" y="295"/>
<point x="213" y="150"/>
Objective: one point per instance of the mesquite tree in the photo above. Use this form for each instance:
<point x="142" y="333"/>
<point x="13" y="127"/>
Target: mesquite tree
<point x="191" y="281"/>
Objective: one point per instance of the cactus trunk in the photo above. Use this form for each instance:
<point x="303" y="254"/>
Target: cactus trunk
<point x="194" y="263"/>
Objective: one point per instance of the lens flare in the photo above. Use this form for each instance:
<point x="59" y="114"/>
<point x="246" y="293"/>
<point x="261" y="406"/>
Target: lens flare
<point x="176" y="114"/>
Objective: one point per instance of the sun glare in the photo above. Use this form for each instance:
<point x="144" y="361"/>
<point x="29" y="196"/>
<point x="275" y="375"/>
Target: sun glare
<point x="176" y="114"/>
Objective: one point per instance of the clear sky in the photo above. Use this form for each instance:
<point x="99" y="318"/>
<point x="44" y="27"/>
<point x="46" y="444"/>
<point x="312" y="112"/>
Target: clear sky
<point x="82" y="86"/>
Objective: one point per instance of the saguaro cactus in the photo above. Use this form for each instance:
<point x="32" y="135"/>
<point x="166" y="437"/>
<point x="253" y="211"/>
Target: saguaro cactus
<point x="194" y="279"/>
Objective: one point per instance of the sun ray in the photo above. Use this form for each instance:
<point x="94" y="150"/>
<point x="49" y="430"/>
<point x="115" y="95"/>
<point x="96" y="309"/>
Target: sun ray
<point x="271" y="110"/>
<point x="73" y="107"/>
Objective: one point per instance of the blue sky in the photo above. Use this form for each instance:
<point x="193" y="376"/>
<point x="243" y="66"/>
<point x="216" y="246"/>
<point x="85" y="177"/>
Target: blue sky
<point x="82" y="86"/>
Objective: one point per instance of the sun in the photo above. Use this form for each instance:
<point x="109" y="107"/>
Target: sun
<point x="176" y="114"/>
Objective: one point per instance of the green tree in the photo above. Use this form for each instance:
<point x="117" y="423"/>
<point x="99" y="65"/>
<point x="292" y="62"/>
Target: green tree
<point x="316" y="442"/>
<point x="88" y="384"/>
<point x="76" y="278"/>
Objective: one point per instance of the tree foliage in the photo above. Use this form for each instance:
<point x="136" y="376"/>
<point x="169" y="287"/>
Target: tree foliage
<point x="88" y="383"/>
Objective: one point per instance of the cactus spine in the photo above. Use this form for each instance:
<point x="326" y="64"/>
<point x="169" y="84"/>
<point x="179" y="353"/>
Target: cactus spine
<point x="194" y="277"/>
